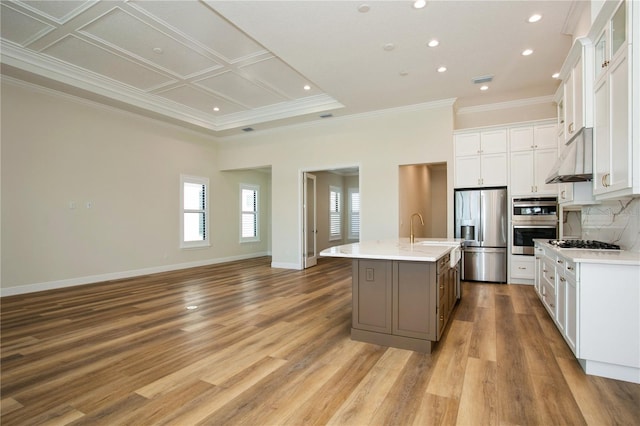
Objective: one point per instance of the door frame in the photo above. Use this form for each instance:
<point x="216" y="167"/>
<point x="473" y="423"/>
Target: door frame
<point x="309" y="230"/>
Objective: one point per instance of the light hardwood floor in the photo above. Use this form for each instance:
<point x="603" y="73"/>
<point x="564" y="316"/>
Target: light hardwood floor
<point x="271" y="346"/>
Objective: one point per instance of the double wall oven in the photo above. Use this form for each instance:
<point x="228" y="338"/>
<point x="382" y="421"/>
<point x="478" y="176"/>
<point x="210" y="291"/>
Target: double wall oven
<point x="532" y="218"/>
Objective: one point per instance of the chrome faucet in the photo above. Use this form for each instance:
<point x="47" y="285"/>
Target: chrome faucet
<point x="411" y="237"/>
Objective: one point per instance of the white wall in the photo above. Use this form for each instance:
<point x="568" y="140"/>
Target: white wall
<point x="377" y="143"/>
<point x="58" y="150"/>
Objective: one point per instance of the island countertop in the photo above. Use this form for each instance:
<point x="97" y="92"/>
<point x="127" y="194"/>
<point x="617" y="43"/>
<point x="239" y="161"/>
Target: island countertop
<point x="422" y="250"/>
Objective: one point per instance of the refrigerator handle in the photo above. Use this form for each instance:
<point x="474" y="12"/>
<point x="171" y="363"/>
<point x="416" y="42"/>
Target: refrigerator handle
<point x="481" y="227"/>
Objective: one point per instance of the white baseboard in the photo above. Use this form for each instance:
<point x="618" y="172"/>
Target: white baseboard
<point x="71" y="282"/>
<point x="284" y="265"/>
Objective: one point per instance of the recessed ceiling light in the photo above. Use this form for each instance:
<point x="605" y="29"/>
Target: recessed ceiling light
<point x="485" y="87"/>
<point x="158" y="50"/>
<point x="433" y="43"/>
<point x="404" y="73"/>
<point x="556" y="75"/>
<point x="216" y="109"/>
<point x="364" y="8"/>
<point x="389" y="47"/>
<point x="442" y="69"/>
<point x="527" y="52"/>
<point x="307" y="87"/>
<point x="192" y="307"/>
<point x="419" y="4"/>
<point x="534" y="18"/>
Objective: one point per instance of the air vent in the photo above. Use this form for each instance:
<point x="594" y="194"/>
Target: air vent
<point x="482" y="80"/>
<point x="248" y="129"/>
<point x="326" y="115"/>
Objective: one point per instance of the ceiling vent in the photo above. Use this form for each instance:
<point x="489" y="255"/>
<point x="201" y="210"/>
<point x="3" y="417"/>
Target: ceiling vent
<point x="482" y="80"/>
<point x="248" y="129"/>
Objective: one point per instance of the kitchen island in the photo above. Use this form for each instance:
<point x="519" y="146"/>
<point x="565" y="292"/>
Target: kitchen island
<point x="402" y="293"/>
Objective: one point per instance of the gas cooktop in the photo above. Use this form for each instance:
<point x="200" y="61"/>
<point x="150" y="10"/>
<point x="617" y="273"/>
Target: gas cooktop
<point x="583" y="244"/>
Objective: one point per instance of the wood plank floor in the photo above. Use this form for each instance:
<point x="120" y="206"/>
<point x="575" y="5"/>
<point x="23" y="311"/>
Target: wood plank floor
<point x="271" y="347"/>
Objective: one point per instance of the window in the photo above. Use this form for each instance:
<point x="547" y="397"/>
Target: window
<point x="249" y="217"/>
<point x="194" y="217"/>
<point x="335" y="213"/>
<point x="354" y="213"/>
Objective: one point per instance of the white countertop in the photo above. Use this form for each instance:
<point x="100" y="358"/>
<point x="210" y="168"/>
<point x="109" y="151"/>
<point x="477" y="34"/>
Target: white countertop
<point x="611" y="257"/>
<point x="422" y="250"/>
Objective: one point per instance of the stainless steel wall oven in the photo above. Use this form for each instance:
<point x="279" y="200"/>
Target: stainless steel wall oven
<point x="532" y="218"/>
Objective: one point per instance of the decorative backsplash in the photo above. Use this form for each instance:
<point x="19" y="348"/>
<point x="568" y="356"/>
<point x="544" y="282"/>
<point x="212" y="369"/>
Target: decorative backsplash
<point x="616" y="222"/>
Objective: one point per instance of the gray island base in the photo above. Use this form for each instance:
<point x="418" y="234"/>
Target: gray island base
<point x="402" y="297"/>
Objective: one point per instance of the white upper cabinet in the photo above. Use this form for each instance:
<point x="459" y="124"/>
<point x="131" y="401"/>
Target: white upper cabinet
<point x="481" y="158"/>
<point x="616" y="111"/>
<point x="533" y="152"/>
<point x="576" y="73"/>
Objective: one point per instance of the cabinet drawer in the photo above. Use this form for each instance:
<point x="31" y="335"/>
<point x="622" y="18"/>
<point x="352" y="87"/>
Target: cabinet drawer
<point x="522" y="267"/>
<point x="548" y="273"/>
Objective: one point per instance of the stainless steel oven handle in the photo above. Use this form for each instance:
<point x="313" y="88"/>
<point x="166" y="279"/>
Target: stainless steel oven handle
<point x="535" y="226"/>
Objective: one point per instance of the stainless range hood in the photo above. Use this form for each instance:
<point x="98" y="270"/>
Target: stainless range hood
<point x="576" y="161"/>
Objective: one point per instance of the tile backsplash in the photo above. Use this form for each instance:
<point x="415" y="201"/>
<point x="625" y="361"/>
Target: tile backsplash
<point x="616" y="222"/>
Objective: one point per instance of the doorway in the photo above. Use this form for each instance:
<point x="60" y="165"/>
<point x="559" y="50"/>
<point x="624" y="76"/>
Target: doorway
<point x="423" y="189"/>
<point x="330" y="210"/>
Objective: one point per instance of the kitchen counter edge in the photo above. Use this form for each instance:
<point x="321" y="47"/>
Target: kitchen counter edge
<point x="611" y="257"/>
<point x="422" y="250"/>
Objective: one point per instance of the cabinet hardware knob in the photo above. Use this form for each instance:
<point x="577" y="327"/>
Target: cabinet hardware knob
<point x="562" y="279"/>
<point x="560" y="261"/>
<point x="562" y="194"/>
<point x="442" y="318"/>
<point x="552" y="305"/>
<point x="521" y="267"/>
<point x="570" y="268"/>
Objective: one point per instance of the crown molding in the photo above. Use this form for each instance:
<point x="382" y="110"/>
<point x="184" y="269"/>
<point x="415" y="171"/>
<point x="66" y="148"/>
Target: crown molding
<point x="444" y="103"/>
<point x="506" y="105"/>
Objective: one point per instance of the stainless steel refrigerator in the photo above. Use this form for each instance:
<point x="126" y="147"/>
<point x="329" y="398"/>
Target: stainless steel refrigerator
<point x="481" y="217"/>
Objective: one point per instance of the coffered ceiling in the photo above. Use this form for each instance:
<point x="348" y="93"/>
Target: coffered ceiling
<point x="224" y="66"/>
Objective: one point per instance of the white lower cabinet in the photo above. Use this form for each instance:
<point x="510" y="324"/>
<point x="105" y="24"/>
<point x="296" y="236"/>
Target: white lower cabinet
<point x="596" y="307"/>
<point x="522" y="268"/>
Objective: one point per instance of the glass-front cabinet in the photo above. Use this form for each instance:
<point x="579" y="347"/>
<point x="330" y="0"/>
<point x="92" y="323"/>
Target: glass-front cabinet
<point x="611" y="39"/>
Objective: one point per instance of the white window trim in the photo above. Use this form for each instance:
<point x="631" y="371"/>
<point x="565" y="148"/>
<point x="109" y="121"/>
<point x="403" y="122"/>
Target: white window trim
<point x="338" y="190"/>
<point x="255" y="188"/>
<point x="353" y="235"/>
<point x="199" y="181"/>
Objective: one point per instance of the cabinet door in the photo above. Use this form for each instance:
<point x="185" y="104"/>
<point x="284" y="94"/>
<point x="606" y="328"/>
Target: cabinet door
<point x="601" y="54"/>
<point x="372" y="295"/>
<point x="571" y="329"/>
<point x="561" y="300"/>
<point x="493" y="168"/>
<point x="578" y="97"/>
<point x="467" y="144"/>
<point x="521" y="172"/>
<point x="619" y="119"/>
<point x="468" y="171"/>
<point x="544" y="161"/>
<point x="493" y="141"/>
<point x="545" y="136"/>
<point x="415" y="299"/>
<point x="601" y="143"/>
<point x="568" y="105"/>
<point x="521" y="138"/>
